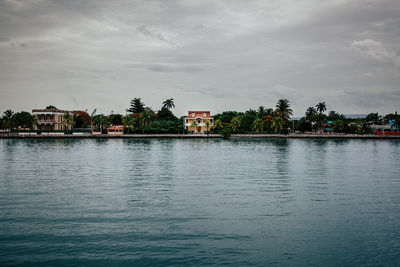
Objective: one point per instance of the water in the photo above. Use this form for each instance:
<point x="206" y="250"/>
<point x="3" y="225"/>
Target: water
<point x="199" y="202"/>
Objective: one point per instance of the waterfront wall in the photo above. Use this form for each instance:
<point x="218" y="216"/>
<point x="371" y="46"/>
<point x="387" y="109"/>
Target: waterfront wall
<point x="196" y="136"/>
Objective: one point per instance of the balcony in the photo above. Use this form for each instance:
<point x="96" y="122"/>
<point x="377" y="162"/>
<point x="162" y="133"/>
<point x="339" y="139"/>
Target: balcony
<point x="46" y="121"/>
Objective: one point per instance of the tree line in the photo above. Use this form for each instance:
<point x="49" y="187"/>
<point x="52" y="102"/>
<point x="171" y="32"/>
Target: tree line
<point x="143" y="119"/>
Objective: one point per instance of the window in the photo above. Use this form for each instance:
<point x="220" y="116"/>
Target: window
<point x="204" y="114"/>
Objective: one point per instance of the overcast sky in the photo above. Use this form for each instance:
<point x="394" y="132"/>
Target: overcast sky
<point x="207" y="55"/>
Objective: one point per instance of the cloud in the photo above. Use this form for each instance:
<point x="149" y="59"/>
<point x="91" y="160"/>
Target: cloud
<point x="171" y="67"/>
<point x="144" y="30"/>
<point x="213" y="54"/>
<point x="372" y="49"/>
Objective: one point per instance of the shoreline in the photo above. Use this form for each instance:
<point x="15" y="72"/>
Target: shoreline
<point x="198" y="136"/>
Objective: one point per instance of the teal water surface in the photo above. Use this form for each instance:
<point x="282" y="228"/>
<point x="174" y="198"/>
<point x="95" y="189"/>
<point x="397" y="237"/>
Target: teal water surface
<point x="161" y="202"/>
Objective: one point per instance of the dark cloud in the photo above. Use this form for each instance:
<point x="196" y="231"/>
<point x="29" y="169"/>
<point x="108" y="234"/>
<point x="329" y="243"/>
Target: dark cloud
<point x="207" y="54"/>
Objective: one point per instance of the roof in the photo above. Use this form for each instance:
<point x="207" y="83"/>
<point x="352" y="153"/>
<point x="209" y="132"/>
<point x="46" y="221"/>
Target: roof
<point x="49" y="111"/>
<point x="198" y="114"/>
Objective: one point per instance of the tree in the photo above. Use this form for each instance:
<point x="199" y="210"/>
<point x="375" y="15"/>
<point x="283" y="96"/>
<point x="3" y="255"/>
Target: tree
<point x="129" y="122"/>
<point x="311" y="111"/>
<point x="338" y="126"/>
<point x="258" y="125"/>
<point x="51" y="107"/>
<point x="362" y="126"/>
<point x="283" y="109"/>
<point x="374" y="118"/>
<point x="321" y="107"/>
<point x="68" y="121"/>
<point x="116" y="119"/>
<point x="278" y="124"/>
<point x="261" y="111"/>
<point x="166" y="114"/>
<point x="101" y="121"/>
<point x="169" y="103"/>
<point x="23" y="119"/>
<point x="207" y="124"/>
<point x="7" y="117"/>
<point x="269" y="112"/>
<point x="146" y="117"/>
<point x="194" y="125"/>
<point x="137" y="106"/>
<point x="235" y="123"/>
<point x="218" y="125"/>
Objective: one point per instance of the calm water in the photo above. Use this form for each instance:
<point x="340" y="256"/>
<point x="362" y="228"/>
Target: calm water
<point x="200" y="202"/>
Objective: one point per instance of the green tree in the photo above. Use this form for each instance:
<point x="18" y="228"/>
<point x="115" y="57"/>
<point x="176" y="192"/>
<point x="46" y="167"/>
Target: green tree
<point x="7" y="117"/>
<point x="283" y="109"/>
<point x="116" y="119"/>
<point x="235" y="123"/>
<point x="129" y="123"/>
<point x="169" y="103"/>
<point x="194" y="125"/>
<point x="278" y="124"/>
<point x="166" y="114"/>
<point x="101" y="122"/>
<point x="310" y="112"/>
<point x="137" y="106"/>
<point x="51" y="107"/>
<point x="218" y="125"/>
<point x="23" y="119"/>
<point x="374" y="118"/>
<point x="261" y="111"/>
<point x="338" y="126"/>
<point x="269" y="112"/>
<point x="258" y="125"/>
<point x="145" y="118"/>
<point x="68" y="121"/>
<point x="207" y="124"/>
<point x="321" y="107"/>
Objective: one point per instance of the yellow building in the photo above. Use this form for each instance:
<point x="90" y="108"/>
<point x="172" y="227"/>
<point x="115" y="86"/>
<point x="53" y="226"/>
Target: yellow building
<point x="49" y="119"/>
<point x="195" y="121"/>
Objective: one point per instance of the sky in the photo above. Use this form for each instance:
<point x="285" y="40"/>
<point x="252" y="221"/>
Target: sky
<point x="206" y="55"/>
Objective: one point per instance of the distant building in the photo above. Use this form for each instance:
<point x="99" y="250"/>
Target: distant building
<point x="195" y="121"/>
<point x="52" y="119"/>
<point x="49" y="119"/>
<point x="115" y="130"/>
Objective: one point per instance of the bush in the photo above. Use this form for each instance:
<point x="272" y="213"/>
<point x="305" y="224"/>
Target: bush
<point x="225" y="132"/>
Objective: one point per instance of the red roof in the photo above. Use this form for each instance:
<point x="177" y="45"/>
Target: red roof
<point x="201" y="114"/>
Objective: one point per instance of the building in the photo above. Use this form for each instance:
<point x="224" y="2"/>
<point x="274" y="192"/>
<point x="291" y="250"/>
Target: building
<point x="115" y="130"/>
<point x="195" y="121"/>
<point x="50" y="119"/>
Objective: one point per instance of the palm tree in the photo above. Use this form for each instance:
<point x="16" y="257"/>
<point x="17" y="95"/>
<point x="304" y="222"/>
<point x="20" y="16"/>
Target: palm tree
<point x="129" y="122"/>
<point x="310" y="112"/>
<point x="207" y="123"/>
<point x="51" y="107"/>
<point x="261" y="111"/>
<point x="283" y="109"/>
<point x="321" y="107"/>
<point x="145" y="118"/>
<point x="338" y="126"/>
<point x="68" y="121"/>
<point x="269" y="112"/>
<point x="7" y="117"/>
<point x="101" y="121"/>
<point x="169" y="103"/>
<point x="218" y="125"/>
<point x="278" y="124"/>
<point x="235" y="123"/>
<point x="194" y="125"/>
<point x="258" y="125"/>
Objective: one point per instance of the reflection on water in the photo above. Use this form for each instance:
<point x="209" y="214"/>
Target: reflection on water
<point x="199" y="202"/>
